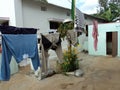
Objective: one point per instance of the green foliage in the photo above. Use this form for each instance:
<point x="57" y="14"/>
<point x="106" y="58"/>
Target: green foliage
<point x="103" y="4"/>
<point x="109" y="10"/>
<point x="70" y="60"/>
<point x="115" y="10"/>
<point x="107" y="15"/>
<point x="64" y="27"/>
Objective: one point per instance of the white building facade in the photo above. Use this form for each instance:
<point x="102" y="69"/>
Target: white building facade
<point x="34" y="14"/>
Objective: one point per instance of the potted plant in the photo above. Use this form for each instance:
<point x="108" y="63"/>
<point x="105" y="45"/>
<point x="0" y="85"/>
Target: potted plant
<point x="70" y="59"/>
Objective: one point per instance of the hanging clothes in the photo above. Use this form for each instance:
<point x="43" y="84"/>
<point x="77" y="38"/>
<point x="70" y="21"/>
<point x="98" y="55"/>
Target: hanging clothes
<point x="46" y="43"/>
<point x="50" y="41"/>
<point x="79" y="20"/>
<point x="18" y="45"/>
<point x="95" y="34"/>
<point x="16" y="30"/>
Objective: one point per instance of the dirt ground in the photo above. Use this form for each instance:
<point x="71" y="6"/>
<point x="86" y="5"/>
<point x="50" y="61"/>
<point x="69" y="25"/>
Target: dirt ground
<point x="100" y="73"/>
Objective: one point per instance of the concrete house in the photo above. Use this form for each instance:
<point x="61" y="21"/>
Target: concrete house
<point x="34" y="14"/>
<point x="108" y="40"/>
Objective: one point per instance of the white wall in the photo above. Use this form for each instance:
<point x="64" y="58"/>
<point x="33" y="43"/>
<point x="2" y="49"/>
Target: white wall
<point x="16" y="18"/>
<point x="83" y="41"/>
<point x="34" y="17"/>
<point x="102" y="29"/>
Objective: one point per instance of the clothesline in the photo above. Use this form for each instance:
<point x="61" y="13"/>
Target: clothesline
<point x="20" y="30"/>
<point x="17" y="30"/>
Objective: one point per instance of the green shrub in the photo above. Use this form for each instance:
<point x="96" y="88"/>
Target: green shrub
<point x="70" y="60"/>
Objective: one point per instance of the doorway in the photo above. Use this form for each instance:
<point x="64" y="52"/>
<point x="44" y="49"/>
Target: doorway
<point x="112" y="43"/>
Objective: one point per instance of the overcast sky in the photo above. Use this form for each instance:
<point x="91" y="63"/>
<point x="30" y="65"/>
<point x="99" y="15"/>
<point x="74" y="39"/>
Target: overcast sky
<point x="86" y="6"/>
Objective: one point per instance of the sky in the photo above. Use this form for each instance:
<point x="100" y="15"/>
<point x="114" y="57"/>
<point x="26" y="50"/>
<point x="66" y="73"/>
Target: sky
<point x="86" y="6"/>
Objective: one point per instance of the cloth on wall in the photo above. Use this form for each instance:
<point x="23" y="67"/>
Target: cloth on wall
<point x="95" y="34"/>
<point x="18" y="45"/>
<point x="50" y="41"/>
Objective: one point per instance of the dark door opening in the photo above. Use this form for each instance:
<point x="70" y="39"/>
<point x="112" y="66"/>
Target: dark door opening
<point x="112" y="43"/>
<point x="109" y="43"/>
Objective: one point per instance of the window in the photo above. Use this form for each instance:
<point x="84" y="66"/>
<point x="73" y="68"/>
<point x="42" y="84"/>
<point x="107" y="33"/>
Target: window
<point x="43" y="8"/>
<point x="68" y="13"/>
<point x="54" y="25"/>
<point x="85" y="17"/>
<point x="87" y="30"/>
<point x="5" y="23"/>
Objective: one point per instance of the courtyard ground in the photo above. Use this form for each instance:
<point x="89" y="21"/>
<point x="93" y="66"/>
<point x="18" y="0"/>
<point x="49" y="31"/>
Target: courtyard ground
<point x="100" y="73"/>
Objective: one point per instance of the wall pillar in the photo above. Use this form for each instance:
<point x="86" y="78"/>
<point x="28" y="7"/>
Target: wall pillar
<point x="16" y="16"/>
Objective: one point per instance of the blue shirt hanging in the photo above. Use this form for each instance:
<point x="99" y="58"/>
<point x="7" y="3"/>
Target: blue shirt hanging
<point x="18" y="45"/>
